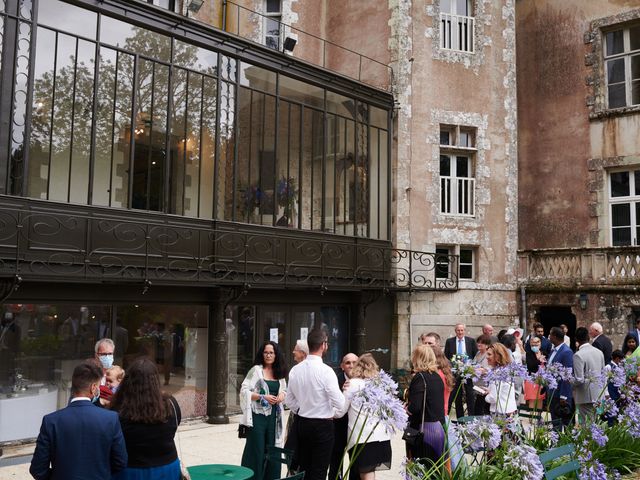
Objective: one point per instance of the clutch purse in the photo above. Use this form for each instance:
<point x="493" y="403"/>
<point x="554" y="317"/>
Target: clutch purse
<point x="243" y="431"/>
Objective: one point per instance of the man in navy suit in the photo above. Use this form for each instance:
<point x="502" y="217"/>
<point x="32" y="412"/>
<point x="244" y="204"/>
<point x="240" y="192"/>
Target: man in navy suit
<point x="81" y="441"/>
<point x="601" y="341"/>
<point x="461" y="346"/>
<point x="561" y="400"/>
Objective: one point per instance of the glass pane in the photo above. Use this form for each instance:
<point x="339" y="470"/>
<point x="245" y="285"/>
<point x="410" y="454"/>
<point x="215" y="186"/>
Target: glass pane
<point x="445" y="165"/>
<point x="615" y="71"/>
<point x="617" y="96"/>
<point x="287" y="165"/>
<point x="62" y="115"/>
<point x="334" y="321"/>
<point x="241" y="340"/>
<point x="39" y="150"/>
<point x="41" y="345"/>
<point x="122" y="132"/>
<point x="273" y="27"/>
<point x="621" y="215"/>
<point x="179" y="136"/>
<point x="341" y="105"/>
<point x="361" y="183"/>
<point x="635" y="67"/>
<point x="208" y="148"/>
<point x="301" y="92"/>
<point x="258" y="78"/>
<point x="82" y="122"/>
<point x="273" y="6"/>
<point x="636" y="176"/>
<point x="466" y="271"/>
<point x="463" y="7"/>
<point x="634" y="37"/>
<point x="272" y="42"/>
<point x="135" y="39"/>
<point x="620" y="184"/>
<point x="621" y="236"/>
<point x="466" y="255"/>
<point x="68" y="18"/>
<point x="264" y="135"/>
<point x="175" y="338"/>
<point x="274" y="324"/>
<point x="384" y="184"/>
<point x="445" y="6"/>
<point x="462" y="167"/>
<point x="445" y="137"/>
<point x="442" y="262"/>
<point x="615" y="42"/>
<point x="192" y="146"/>
<point x="228" y="183"/>
<point x="195" y="58"/>
<point x="635" y="92"/>
<point x="379" y="117"/>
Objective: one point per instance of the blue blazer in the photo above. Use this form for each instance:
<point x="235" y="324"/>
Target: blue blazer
<point x="564" y="356"/>
<point x="79" y="442"/>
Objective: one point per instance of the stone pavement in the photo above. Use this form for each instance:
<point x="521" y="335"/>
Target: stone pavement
<point x="199" y="442"/>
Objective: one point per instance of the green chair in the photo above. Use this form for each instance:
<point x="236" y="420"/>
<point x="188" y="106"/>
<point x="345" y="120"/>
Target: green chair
<point x="567" y="467"/>
<point x="275" y="454"/>
<point x="526" y="412"/>
<point x="465" y="419"/>
<point x="297" y="476"/>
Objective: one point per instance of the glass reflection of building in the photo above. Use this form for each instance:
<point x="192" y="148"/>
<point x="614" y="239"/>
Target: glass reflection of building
<point x="124" y="127"/>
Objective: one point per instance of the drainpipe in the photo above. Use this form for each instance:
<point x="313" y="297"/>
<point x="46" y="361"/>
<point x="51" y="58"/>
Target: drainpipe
<point x="224" y="15"/>
<point x="523" y="300"/>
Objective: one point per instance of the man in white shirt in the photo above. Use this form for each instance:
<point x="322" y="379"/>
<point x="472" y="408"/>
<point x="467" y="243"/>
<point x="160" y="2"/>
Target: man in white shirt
<point x="313" y="394"/>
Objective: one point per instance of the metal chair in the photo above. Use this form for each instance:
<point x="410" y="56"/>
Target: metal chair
<point x="297" y="476"/>
<point x="275" y="454"/>
<point x="568" y="467"/>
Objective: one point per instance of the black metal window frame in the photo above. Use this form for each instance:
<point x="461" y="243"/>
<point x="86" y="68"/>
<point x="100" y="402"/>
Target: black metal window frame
<point x="191" y="32"/>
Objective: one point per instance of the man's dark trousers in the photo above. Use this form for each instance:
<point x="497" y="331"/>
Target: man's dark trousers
<point x="314" y="446"/>
<point x="463" y="391"/>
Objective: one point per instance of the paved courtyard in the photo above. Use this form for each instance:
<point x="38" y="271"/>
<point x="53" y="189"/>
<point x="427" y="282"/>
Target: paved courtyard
<point x="200" y="443"/>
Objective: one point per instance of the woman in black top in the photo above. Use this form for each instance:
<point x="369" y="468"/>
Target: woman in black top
<point x="426" y="388"/>
<point x="149" y="420"/>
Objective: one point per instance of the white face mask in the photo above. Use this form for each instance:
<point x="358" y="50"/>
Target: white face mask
<point x="106" y="361"/>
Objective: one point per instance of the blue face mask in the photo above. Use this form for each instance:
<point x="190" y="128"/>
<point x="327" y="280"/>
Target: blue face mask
<point x="106" y="361"/>
<point x="535" y="349"/>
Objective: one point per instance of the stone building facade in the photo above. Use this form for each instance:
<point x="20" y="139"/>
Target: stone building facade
<point x="579" y="153"/>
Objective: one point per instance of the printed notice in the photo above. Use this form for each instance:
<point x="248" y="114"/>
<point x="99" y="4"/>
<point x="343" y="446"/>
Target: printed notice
<point x="304" y="331"/>
<point x="273" y="335"/>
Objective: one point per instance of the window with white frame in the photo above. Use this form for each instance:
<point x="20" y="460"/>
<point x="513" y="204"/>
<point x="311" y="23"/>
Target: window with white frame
<point x="622" y="66"/>
<point x="457" y="182"/>
<point x="272" y="25"/>
<point x="457" y="25"/>
<point x="168" y="4"/>
<point x="624" y="207"/>
<point x="445" y="261"/>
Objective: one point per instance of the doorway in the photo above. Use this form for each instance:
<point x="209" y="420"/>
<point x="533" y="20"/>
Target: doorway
<point x="554" y="316"/>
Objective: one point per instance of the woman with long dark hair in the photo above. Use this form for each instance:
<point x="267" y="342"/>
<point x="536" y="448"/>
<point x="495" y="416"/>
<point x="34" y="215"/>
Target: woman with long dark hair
<point x="629" y="345"/>
<point x="149" y="421"/>
<point x="261" y="395"/>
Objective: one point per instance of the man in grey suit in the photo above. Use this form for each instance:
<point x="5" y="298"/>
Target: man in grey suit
<point x="588" y="365"/>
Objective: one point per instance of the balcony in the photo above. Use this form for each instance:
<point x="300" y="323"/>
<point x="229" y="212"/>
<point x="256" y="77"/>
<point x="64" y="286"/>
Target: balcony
<point x="457" y="195"/>
<point x="457" y="32"/>
<point x="45" y="241"/>
<point x="614" y="266"/>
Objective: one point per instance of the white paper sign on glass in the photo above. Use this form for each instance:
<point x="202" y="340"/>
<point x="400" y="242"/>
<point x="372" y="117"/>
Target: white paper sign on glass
<point x="304" y="331"/>
<point x="273" y="335"/>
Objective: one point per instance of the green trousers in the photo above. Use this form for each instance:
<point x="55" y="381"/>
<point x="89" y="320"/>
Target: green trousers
<point x="262" y="434"/>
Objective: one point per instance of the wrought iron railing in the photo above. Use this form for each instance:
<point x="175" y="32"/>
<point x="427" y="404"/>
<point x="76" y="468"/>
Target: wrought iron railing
<point x="47" y="241"/>
<point x="263" y="29"/>
<point x="599" y="266"/>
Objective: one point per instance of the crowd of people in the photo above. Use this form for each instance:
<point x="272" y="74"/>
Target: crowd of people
<point x="118" y="425"/>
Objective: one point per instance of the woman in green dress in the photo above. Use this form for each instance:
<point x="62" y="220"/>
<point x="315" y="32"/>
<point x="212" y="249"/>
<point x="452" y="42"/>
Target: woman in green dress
<point x="261" y="397"/>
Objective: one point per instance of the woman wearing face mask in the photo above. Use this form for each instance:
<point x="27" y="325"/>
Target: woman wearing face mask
<point x="535" y="358"/>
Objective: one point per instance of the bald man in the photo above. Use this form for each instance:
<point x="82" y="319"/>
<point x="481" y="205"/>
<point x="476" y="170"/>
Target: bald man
<point x="601" y="341"/>
<point x="340" y="425"/>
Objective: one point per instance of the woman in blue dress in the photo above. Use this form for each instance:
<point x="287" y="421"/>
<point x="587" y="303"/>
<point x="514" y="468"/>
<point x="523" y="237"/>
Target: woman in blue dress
<point x="149" y="421"/>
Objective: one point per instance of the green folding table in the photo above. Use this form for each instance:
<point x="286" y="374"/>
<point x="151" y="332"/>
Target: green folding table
<point x="219" y="472"/>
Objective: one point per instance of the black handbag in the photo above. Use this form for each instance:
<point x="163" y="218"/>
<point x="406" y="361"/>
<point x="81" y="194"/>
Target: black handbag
<point x="243" y="431"/>
<point x="411" y="435"/>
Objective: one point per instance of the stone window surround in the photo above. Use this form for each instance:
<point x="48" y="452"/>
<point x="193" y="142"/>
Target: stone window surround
<point x="599" y="234"/>
<point x="594" y="59"/>
<point x="455" y="250"/>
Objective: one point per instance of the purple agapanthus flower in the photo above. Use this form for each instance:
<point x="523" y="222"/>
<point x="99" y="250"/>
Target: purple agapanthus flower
<point x="616" y="375"/>
<point x="463" y="367"/>
<point x="480" y="434"/>
<point x="507" y="373"/>
<point x="559" y="372"/>
<point x="598" y="435"/>
<point x="593" y="471"/>
<point x="523" y="462"/>
<point x="631" y="365"/>
<point x="379" y="399"/>
<point x="545" y="378"/>
<point x="630" y="418"/>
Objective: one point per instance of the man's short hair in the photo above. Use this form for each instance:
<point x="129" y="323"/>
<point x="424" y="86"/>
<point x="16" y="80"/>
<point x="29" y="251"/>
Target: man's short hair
<point x="557" y="333"/>
<point x="538" y="325"/>
<point x="484" y="339"/>
<point x="597" y="327"/>
<point x="617" y="354"/>
<point x="84" y="375"/>
<point x="315" y="339"/>
<point x="433" y="335"/>
<point x="106" y="341"/>
<point x="582" y="335"/>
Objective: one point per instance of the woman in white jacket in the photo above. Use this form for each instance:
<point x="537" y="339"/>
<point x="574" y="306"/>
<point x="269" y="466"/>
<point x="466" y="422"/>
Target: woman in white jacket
<point x="501" y="395"/>
<point x="261" y="395"/>
<point x="375" y="454"/>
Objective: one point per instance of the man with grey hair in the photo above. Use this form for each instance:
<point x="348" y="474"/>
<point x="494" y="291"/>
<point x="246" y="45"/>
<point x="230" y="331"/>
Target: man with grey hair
<point x="341" y="425"/>
<point x="104" y="354"/>
<point x="601" y="341"/>
<point x="300" y="351"/>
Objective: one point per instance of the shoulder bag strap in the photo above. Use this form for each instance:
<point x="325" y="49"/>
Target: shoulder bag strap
<point x="424" y="400"/>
